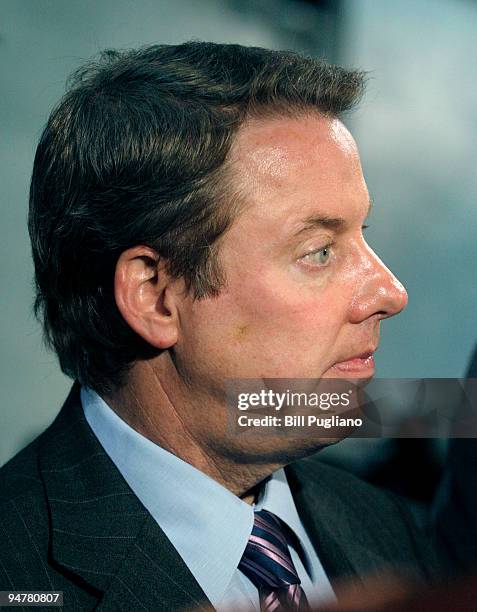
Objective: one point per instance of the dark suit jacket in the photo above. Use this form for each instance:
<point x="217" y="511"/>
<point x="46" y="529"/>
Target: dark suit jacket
<point x="70" y="522"/>
<point x="455" y="507"/>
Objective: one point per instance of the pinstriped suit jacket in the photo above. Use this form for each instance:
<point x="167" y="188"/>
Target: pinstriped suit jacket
<point x="69" y="522"/>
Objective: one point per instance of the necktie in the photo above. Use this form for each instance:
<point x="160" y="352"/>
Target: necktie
<point x="267" y="564"/>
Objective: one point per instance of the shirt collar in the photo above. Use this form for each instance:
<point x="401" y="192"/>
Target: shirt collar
<point x="276" y="497"/>
<point x="208" y="525"/>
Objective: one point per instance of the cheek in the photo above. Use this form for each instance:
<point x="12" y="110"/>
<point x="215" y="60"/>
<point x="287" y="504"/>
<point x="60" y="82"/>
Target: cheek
<point x="275" y="309"/>
<point x="289" y="335"/>
<point x="272" y="328"/>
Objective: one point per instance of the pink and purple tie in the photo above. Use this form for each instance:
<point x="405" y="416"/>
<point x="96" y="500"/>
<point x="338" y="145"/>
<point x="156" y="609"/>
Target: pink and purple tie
<point x="267" y="564"/>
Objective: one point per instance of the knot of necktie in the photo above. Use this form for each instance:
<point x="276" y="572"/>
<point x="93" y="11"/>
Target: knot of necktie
<point x="268" y="565"/>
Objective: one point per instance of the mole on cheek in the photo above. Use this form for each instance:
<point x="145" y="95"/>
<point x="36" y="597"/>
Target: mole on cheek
<point x="241" y="331"/>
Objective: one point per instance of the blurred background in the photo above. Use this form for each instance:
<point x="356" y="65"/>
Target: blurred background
<point x="416" y="128"/>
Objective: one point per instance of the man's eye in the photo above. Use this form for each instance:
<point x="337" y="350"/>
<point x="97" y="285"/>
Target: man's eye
<point x="320" y="257"/>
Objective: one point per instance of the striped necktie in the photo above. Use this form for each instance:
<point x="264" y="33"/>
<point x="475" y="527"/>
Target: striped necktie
<point x="267" y="564"/>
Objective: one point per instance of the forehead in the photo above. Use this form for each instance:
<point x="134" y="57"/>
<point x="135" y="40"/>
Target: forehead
<point x="287" y="167"/>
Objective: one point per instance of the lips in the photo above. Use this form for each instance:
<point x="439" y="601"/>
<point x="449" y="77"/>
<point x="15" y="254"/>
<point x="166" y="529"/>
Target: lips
<point x="358" y="363"/>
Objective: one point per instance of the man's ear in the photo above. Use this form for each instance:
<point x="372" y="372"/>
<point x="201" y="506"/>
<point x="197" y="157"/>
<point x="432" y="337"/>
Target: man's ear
<point x="147" y="297"/>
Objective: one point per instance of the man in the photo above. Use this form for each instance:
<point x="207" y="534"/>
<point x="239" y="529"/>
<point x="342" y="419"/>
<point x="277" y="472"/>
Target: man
<point x="196" y="216"/>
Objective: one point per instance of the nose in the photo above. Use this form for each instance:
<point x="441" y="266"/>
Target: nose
<point x="379" y="293"/>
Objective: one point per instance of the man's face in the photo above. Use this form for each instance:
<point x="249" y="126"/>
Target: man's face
<point x="304" y="293"/>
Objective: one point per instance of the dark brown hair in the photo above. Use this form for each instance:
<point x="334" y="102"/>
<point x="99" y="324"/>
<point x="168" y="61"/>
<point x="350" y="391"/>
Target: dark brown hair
<point x="136" y="153"/>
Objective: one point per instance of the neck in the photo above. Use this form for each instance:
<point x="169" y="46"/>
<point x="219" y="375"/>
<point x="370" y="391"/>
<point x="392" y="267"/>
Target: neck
<point x="194" y="431"/>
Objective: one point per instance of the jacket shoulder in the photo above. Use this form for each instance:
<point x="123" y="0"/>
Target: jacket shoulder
<point x="315" y="473"/>
<point x="365" y="517"/>
<point x="372" y="507"/>
<point x="23" y="523"/>
<point x="20" y="476"/>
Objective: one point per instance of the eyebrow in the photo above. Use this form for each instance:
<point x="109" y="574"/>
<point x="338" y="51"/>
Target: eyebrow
<point x="318" y="220"/>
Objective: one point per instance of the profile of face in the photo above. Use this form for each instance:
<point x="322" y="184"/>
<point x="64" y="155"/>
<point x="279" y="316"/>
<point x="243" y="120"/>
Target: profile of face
<point x="304" y="294"/>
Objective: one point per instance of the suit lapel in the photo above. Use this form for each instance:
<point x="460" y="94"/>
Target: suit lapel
<point x="151" y="581"/>
<point x="101" y="534"/>
<point x="309" y="501"/>
<point x="341" y="544"/>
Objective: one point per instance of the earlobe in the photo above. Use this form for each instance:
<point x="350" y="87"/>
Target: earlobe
<point x="145" y="296"/>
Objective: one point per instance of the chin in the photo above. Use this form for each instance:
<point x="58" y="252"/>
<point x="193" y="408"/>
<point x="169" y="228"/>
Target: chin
<point x="295" y="448"/>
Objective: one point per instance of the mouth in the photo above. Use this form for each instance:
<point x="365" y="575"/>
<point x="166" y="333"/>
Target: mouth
<point x="362" y="364"/>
